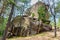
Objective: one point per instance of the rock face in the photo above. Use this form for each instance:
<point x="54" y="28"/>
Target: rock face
<point x="26" y="27"/>
<point x="34" y="9"/>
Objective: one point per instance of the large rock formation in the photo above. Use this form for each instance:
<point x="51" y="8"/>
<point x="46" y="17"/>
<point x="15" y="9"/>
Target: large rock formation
<point x="26" y="26"/>
<point x="34" y="9"/>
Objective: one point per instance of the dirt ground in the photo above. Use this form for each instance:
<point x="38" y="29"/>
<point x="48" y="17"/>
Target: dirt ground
<point x="41" y="36"/>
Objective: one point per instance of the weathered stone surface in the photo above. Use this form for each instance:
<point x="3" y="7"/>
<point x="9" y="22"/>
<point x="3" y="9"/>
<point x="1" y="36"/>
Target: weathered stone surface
<point x="47" y="27"/>
<point x="27" y="27"/>
<point x="34" y="9"/>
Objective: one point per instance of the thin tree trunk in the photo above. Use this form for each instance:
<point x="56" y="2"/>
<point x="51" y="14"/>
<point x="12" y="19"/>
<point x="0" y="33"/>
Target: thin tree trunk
<point x="54" y="14"/>
<point x="54" y="18"/>
<point x="55" y="26"/>
<point x="8" y="24"/>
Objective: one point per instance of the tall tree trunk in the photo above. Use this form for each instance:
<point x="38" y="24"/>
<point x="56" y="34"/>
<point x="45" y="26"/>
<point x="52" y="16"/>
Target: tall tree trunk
<point x="53" y="14"/>
<point x="54" y="18"/>
<point x="55" y="25"/>
<point x="8" y="24"/>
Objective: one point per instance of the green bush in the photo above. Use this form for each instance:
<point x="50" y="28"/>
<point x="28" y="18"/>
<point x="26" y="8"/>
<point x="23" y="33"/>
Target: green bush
<point x="2" y="26"/>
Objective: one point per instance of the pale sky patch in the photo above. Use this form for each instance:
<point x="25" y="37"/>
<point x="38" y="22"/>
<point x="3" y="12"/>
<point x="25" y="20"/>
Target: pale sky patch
<point x="33" y="1"/>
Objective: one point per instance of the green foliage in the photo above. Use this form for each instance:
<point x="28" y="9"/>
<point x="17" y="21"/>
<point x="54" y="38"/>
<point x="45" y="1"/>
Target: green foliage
<point x="33" y="14"/>
<point x="11" y="1"/>
<point x="2" y="26"/>
<point x="1" y="20"/>
<point x="24" y="1"/>
<point x="58" y="24"/>
<point x="42" y="13"/>
<point x="57" y="8"/>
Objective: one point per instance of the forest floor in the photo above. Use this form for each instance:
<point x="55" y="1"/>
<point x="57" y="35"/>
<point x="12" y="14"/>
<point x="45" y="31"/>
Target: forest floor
<point x="42" y="36"/>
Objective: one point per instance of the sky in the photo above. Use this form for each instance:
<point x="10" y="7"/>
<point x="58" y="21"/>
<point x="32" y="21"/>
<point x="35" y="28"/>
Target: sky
<point x="33" y="1"/>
